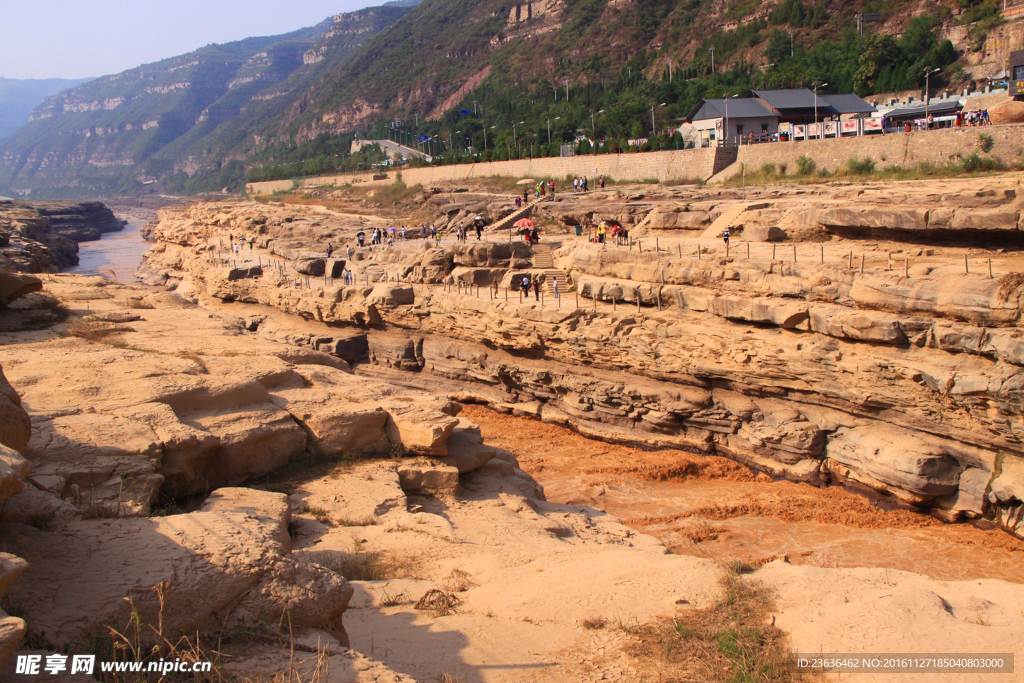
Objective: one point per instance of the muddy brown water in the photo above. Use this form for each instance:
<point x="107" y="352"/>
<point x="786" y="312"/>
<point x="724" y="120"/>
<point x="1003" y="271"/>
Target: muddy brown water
<point x="714" y="508"/>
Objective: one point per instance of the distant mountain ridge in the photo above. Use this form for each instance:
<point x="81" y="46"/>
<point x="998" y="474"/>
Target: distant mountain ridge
<point x="177" y="115"/>
<point x="18" y="97"/>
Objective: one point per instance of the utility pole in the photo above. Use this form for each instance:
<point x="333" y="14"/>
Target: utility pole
<point x="712" y="51"/>
<point x="474" y="107"/>
<point x="566" y="89"/>
<point x="593" y="128"/>
<point x="669" y="69"/>
<point x="654" y="128"/>
<point x="791" y="49"/>
<point x="549" y="128"/>
<point x="816" y="86"/>
<point x="928" y="71"/>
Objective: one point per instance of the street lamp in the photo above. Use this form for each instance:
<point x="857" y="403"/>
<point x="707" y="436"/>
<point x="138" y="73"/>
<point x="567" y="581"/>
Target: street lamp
<point x="928" y="71"/>
<point x="514" y="131"/>
<point x="485" y="136"/>
<point x="725" y="131"/>
<point x="654" y="128"/>
<point x="549" y="128"/>
<point x="816" y="86"/>
<point x="593" y="129"/>
<point x="712" y="51"/>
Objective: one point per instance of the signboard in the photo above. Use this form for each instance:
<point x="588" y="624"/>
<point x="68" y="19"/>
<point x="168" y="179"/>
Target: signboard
<point x="423" y="138"/>
<point x="398" y="123"/>
<point x="813" y="130"/>
<point x="830" y="128"/>
<point x="870" y="17"/>
<point x="850" y="126"/>
<point x="799" y="131"/>
<point x="873" y="125"/>
<point x="785" y="127"/>
<point x="465" y="112"/>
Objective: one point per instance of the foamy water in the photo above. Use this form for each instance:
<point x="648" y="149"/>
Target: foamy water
<point x="115" y="255"/>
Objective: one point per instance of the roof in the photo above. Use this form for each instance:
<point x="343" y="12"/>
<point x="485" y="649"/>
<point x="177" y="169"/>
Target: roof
<point x="935" y="109"/>
<point x="847" y="104"/>
<point x="795" y="98"/>
<point x="737" y="108"/>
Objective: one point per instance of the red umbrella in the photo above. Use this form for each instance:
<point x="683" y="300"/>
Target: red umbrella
<point x="523" y="223"/>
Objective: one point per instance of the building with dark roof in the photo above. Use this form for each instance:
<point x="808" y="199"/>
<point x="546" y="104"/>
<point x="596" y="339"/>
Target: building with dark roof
<point x="738" y="116"/>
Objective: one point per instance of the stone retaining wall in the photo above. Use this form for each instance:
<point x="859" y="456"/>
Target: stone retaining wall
<point x="892" y="149"/>
<point x="674" y="165"/>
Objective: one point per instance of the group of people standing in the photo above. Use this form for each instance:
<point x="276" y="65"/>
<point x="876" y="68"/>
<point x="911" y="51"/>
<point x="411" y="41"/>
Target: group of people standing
<point x="461" y="231"/>
<point x="579" y="184"/>
<point x="525" y="285"/>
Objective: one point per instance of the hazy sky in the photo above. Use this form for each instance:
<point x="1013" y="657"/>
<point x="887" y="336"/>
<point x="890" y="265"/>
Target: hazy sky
<point x="80" y="38"/>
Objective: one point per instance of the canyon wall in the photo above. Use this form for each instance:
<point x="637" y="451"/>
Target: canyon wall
<point x="906" y="385"/>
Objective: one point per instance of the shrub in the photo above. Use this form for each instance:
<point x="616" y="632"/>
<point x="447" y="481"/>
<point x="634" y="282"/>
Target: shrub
<point x="856" y="166"/>
<point x="805" y="165"/>
<point x="985" y="142"/>
<point x="768" y="169"/>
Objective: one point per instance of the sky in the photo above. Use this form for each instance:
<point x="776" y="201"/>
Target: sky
<point x="86" y="38"/>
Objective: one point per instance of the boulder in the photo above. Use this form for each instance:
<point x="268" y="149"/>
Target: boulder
<point x="269" y="507"/>
<point x="15" y="427"/>
<point x="466" y="448"/>
<point x="874" y="217"/>
<point x="420" y="425"/>
<point x="428" y="476"/>
<point x="315" y="267"/>
<point x="763" y="233"/>
<point x="1007" y="111"/>
<point x="15" y="285"/>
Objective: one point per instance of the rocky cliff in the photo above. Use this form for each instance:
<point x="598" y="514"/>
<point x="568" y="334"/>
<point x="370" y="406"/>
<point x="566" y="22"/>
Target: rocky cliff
<point x="38" y="237"/>
<point x="905" y="382"/>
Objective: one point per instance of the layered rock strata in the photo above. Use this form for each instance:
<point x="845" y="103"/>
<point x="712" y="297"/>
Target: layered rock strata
<point x="904" y="383"/>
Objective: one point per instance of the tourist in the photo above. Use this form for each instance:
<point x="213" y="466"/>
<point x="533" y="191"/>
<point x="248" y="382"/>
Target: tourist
<point x="348" y="252"/>
<point x="330" y="250"/>
<point x="524" y="286"/>
<point x="725" y="236"/>
<point x="536" y="288"/>
<point x="361" y="239"/>
<point x="403" y="232"/>
<point x="585" y="183"/>
<point x="526" y="195"/>
<point x="600" y="182"/>
<point x="250" y="246"/>
<point x="601" y="229"/>
<point x="552" y="188"/>
<point x="535" y="236"/>
<point x="554" y="287"/>
<point x="479" y="230"/>
<point x="576" y="184"/>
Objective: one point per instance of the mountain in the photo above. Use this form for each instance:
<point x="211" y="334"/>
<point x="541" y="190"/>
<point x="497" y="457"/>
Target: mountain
<point x="613" y="69"/>
<point x="19" y="97"/>
<point x="121" y="132"/>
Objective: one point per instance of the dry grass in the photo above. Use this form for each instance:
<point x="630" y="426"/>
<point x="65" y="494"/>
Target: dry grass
<point x="92" y="330"/>
<point x="1010" y="283"/>
<point x="48" y="302"/>
<point x="438" y="602"/>
<point x="362" y="566"/>
<point x="140" y="304"/>
<point x="701" y="531"/>
<point x="594" y="623"/>
<point x="388" y="599"/>
<point x="458" y="581"/>
<point x="734" y="639"/>
<point x="452" y="678"/>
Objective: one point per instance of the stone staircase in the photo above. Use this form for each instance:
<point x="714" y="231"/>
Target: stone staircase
<point x="506" y="222"/>
<point x="543" y="260"/>
<point x="726" y="219"/>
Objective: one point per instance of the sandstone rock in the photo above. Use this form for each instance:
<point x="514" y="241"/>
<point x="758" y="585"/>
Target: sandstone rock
<point x="762" y="233"/>
<point x="781" y="313"/>
<point x="985" y="219"/>
<point x="421" y="426"/>
<point x="1007" y="111"/>
<point x="272" y="509"/>
<point x="15" y="285"/>
<point x="874" y="217"/>
<point x="15" y="426"/>
<point x="912" y="469"/>
<point x="428" y="476"/>
<point x="315" y="267"/>
<point x="466" y="449"/>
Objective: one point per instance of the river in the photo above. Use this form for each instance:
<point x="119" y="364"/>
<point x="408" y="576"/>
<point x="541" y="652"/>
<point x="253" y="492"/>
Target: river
<point x="115" y="255"/>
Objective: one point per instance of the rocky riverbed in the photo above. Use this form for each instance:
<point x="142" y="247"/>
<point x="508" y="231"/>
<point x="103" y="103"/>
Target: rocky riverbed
<point x="422" y="476"/>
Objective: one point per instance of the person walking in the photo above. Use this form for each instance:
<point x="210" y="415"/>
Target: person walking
<point x="479" y="230"/>
<point x="330" y="250"/>
<point x="536" y="288"/>
<point x="552" y="188"/>
<point x="725" y="236"/>
<point x="554" y="287"/>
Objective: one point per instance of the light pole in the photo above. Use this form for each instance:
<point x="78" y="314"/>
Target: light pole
<point x="549" y="128"/>
<point x="712" y="51"/>
<point x="725" y="131"/>
<point x="485" y="136"/>
<point x="654" y="128"/>
<point x="566" y="89"/>
<point x="928" y="71"/>
<point x="593" y="128"/>
<point x="514" y="131"/>
<point x="816" y="86"/>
